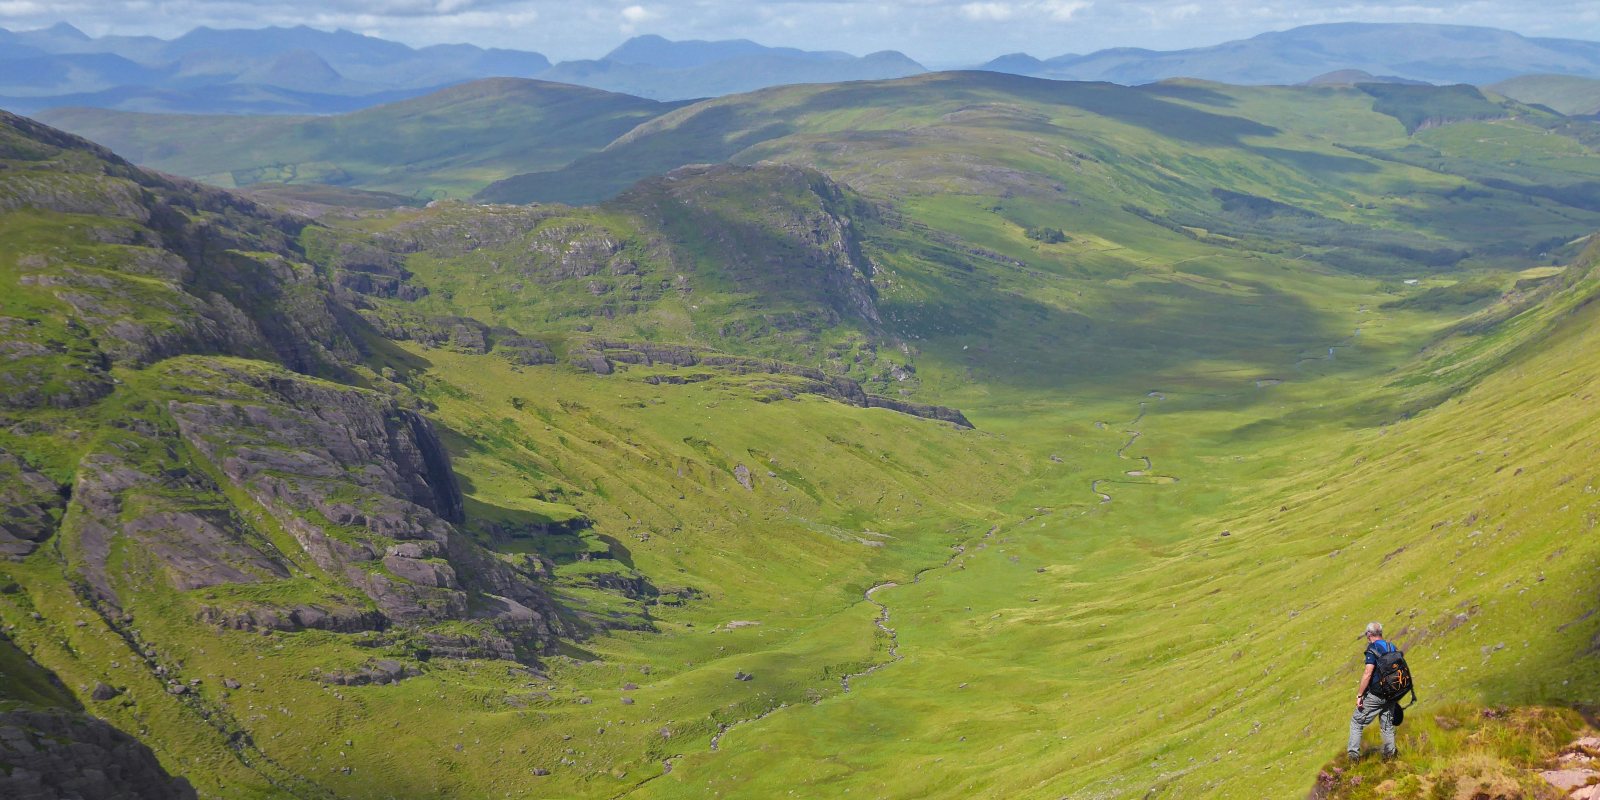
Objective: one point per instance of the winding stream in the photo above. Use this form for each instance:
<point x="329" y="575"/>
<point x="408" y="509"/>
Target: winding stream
<point x="1145" y="473"/>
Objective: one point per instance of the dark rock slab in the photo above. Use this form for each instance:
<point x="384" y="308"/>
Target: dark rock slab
<point x="31" y="504"/>
<point x="54" y="754"/>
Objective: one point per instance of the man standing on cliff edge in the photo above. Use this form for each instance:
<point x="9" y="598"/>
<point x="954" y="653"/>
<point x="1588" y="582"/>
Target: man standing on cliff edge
<point x="1369" y="706"/>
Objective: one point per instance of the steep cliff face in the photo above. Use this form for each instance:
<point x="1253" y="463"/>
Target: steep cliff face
<point x="114" y="266"/>
<point x="185" y="322"/>
<point x="362" y="486"/>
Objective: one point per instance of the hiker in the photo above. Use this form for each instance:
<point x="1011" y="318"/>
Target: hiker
<point x="1369" y="705"/>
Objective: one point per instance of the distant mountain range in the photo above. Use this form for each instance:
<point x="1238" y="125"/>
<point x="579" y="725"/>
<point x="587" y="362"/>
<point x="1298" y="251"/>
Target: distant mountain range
<point x="301" y="70"/>
<point x="1431" y="53"/>
<point x="653" y="67"/>
<point x="306" y="71"/>
<point x="267" y="70"/>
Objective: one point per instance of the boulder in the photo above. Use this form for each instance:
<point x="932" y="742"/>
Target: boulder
<point x="53" y="754"/>
<point x="381" y="671"/>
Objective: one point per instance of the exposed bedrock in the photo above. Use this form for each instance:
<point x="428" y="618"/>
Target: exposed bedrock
<point x="362" y="487"/>
<point x="54" y="754"/>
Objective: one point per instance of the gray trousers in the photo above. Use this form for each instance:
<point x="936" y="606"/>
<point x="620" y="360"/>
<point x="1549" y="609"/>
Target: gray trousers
<point x="1372" y="708"/>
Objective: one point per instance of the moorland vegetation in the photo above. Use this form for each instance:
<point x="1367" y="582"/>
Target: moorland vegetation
<point x="768" y="447"/>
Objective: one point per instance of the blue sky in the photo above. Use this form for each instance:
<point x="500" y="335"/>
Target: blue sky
<point x="937" y="32"/>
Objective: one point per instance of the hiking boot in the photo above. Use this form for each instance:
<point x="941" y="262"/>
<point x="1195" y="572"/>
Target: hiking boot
<point x="1352" y="757"/>
<point x="1390" y="755"/>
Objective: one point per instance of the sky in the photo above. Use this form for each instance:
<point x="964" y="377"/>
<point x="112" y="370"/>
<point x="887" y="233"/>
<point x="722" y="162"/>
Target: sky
<point x="936" y="32"/>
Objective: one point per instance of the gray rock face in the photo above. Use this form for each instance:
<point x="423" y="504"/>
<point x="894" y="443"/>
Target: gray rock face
<point x="362" y="485"/>
<point x="368" y="270"/>
<point x="524" y="351"/>
<point x="30" y="506"/>
<point x="316" y="616"/>
<point x="321" y="431"/>
<point x="380" y="672"/>
<point x="367" y="490"/>
<point x="198" y="546"/>
<point x="463" y="334"/>
<point x="51" y="755"/>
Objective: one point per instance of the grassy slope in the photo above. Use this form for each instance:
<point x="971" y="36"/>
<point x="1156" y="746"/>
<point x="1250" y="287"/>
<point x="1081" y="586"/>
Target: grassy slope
<point x="449" y="143"/>
<point x="1232" y="436"/>
<point x="1154" y="654"/>
<point x="1142" y="589"/>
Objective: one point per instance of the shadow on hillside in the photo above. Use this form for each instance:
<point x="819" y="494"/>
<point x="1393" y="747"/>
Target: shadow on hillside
<point x="1191" y="93"/>
<point x="1144" y="334"/>
<point x="1132" y="106"/>
<point x="712" y="135"/>
<point x="1318" y="163"/>
<point x="718" y="132"/>
<point x="1564" y="676"/>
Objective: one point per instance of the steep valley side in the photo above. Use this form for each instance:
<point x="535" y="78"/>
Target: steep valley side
<point x="767" y="479"/>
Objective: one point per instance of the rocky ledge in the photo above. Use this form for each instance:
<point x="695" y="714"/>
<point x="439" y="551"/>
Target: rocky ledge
<point x="601" y="357"/>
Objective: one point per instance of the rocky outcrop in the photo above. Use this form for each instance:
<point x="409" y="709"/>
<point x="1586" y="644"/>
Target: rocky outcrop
<point x="152" y="505"/>
<point x="599" y="356"/>
<point x="362" y="485"/>
<point x="55" y="754"/>
<point x="159" y="267"/>
<point x="316" y="616"/>
<point x="463" y="334"/>
<point x="366" y="269"/>
<point x="379" y="672"/>
<point x="30" y="506"/>
<point x="366" y="489"/>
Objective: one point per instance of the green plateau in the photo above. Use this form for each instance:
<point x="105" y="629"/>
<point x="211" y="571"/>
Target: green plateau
<point x="962" y="435"/>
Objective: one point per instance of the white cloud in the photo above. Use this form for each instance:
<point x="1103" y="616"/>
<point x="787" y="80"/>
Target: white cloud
<point x="21" y="8"/>
<point x="635" y="15"/>
<point x="1052" y="10"/>
<point x="1063" y="10"/>
<point x="990" y="12"/>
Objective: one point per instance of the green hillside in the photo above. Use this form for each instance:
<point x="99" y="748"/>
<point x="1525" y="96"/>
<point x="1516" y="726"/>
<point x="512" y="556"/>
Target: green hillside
<point x="1568" y="94"/>
<point x="812" y="461"/>
<point x="446" y="144"/>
